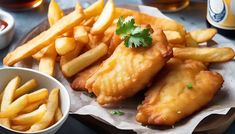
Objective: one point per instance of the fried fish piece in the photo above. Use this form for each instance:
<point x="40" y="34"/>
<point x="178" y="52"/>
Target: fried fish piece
<point x="81" y="78"/>
<point x="184" y="88"/>
<point x="128" y="70"/>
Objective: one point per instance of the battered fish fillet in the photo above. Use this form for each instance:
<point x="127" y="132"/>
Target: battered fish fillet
<point x="128" y="70"/>
<point x="81" y="78"/>
<point x="184" y="88"/>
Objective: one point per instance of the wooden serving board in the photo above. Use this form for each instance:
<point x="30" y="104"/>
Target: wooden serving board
<point x="213" y="124"/>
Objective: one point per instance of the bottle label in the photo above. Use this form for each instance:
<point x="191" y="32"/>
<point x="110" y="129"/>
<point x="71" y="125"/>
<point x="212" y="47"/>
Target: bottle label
<point x="221" y="13"/>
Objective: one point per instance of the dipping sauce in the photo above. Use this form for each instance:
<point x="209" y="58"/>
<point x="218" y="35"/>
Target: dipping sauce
<point x="3" y="25"/>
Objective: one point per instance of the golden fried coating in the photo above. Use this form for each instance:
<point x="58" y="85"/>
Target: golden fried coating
<point x="128" y="70"/>
<point x="80" y="81"/>
<point x="183" y="88"/>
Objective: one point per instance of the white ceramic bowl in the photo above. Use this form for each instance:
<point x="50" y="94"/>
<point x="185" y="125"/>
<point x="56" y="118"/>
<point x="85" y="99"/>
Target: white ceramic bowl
<point x="7" y="34"/>
<point x="44" y="81"/>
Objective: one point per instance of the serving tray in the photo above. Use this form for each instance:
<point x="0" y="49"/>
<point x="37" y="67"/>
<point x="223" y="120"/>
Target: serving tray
<point x="212" y="124"/>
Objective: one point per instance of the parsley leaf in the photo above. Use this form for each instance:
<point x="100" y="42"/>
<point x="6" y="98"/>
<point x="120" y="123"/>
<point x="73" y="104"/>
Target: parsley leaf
<point x="117" y="112"/>
<point x="189" y="85"/>
<point x="133" y="36"/>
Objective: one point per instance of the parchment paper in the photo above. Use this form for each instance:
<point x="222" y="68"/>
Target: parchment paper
<point x="83" y="104"/>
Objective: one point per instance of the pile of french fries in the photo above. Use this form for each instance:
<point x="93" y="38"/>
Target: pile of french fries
<point x="82" y="37"/>
<point x="24" y="110"/>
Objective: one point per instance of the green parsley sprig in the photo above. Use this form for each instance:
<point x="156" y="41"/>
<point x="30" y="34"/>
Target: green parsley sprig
<point x="133" y="36"/>
<point x="189" y="85"/>
<point x="117" y="112"/>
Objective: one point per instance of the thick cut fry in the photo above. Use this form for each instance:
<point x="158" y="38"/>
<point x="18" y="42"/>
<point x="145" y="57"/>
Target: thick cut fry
<point x="45" y="38"/>
<point x="15" y="107"/>
<point x="94" y="40"/>
<point x="190" y="42"/>
<point x="8" y="93"/>
<point x="174" y="37"/>
<point x="30" y="118"/>
<point x="40" y="53"/>
<point x="95" y="9"/>
<point x="52" y="106"/>
<point x="204" y="54"/>
<point x="20" y="127"/>
<point x="58" y="114"/>
<point x="177" y="45"/>
<point x="54" y="12"/>
<point x="84" y="60"/>
<point x="47" y="62"/>
<point x="203" y="35"/>
<point x="88" y="22"/>
<point x="5" y="122"/>
<point x="27" y="87"/>
<point x="38" y="95"/>
<point x="68" y="57"/>
<point x="64" y="45"/>
<point x="105" y="19"/>
<point x="80" y="34"/>
<point x="33" y="106"/>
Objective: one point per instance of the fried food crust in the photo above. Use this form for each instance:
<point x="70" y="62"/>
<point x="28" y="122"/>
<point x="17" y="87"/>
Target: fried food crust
<point x="128" y="70"/>
<point x="170" y="100"/>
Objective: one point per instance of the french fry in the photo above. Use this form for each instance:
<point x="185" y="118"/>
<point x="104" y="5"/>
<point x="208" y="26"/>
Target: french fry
<point x="8" y="96"/>
<point x="84" y="60"/>
<point x="108" y="34"/>
<point x="95" y="9"/>
<point x="88" y="22"/>
<point x="204" y="54"/>
<point x="190" y="42"/>
<point x="33" y="106"/>
<point x="30" y="118"/>
<point x="38" y="95"/>
<point x="54" y="12"/>
<point x="177" y="45"/>
<point x="115" y="41"/>
<point x="58" y="114"/>
<point x="25" y="88"/>
<point x="45" y="38"/>
<point x="94" y="40"/>
<point x="105" y="19"/>
<point x="174" y="37"/>
<point x="15" y="107"/>
<point x="52" y="106"/>
<point x="203" y="35"/>
<point x="5" y="122"/>
<point x="80" y="34"/>
<point x="68" y="57"/>
<point x="47" y="62"/>
<point x="20" y="127"/>
<point x="8" y="93"/>
<point x="64" y="45"/>
<point x="40" y="53"/>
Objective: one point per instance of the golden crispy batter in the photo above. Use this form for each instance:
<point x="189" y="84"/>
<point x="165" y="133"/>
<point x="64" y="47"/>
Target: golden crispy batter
<point x="128" y="70"/>
<point x="184" y="88"/>
<point x="80" y="81"/>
